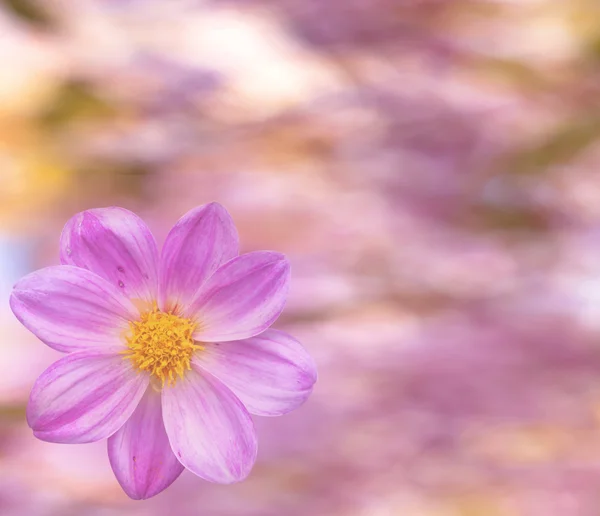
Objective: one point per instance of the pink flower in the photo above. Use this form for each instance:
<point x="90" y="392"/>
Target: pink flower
<point x="166" y="357"/>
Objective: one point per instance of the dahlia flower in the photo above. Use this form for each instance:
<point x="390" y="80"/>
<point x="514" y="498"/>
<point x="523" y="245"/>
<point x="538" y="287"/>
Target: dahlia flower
<point x="166" y="356"/>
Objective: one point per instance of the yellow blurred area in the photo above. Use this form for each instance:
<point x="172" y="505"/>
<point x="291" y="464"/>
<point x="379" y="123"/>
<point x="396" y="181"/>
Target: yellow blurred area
<point x="33" y="176"/>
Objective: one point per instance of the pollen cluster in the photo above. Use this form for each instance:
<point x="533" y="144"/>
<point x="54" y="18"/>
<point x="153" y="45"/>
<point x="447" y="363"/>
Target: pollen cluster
<point x="162" y="344"/>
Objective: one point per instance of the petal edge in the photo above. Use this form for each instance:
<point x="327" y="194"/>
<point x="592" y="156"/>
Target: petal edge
<point x="271" y="373"/>
<point x="197" y="245"/>
<point x="71" y="309"/>
<point x="242" y="298"/>
<point x="209" y="429"/>
<point x="84" y="397"/>
<point x="140" y="454"/>
<point x="117" y="245"/>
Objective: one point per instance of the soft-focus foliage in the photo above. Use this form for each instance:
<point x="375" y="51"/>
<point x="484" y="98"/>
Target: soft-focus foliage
<point x="432" y="170"/>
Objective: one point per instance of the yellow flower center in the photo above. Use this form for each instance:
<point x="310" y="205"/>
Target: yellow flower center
<point x="162" y="344"/>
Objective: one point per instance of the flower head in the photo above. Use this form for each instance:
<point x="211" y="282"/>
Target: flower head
<point x="167" y="356"/>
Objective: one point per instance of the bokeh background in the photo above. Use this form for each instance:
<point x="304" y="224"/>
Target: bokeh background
<point x="432" y="170"/>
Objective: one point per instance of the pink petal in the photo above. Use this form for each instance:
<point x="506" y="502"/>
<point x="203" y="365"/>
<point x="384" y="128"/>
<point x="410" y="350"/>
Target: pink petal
<point x="84" y="397"/>
<point x="201" y="241"/>
<point x="271" y="373"/>
<point x="118" y="246"/>
<point x="140" y="453"/>
<point x="242" y="298"/>
<point x="210" y="431"/>
<point x="72" y="309"/>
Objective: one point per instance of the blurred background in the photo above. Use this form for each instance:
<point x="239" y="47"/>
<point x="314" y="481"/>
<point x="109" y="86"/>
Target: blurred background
<point x="432" y="170"/>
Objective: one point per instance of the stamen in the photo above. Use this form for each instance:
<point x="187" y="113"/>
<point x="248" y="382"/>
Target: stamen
<point x="162" y="343"/>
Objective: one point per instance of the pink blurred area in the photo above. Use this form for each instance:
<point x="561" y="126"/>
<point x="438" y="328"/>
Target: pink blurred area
<point x="432" y="170"/>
